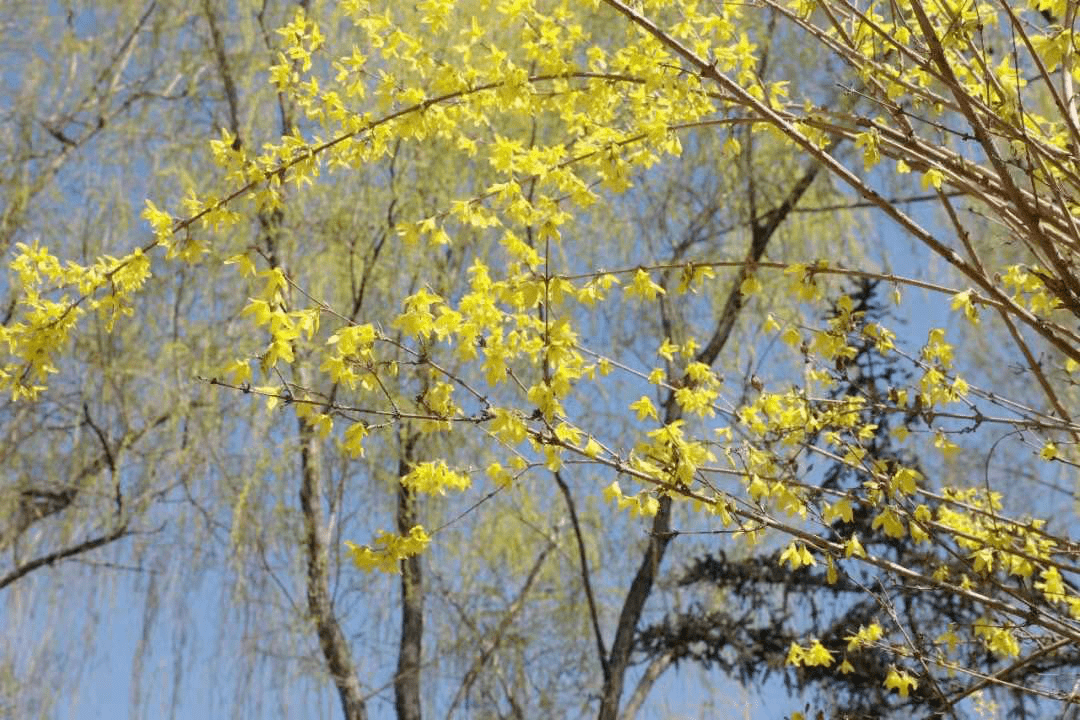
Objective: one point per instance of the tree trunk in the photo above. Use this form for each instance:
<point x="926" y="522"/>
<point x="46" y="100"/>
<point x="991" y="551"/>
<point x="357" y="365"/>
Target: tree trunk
<point x="335" y="648"/>
<point x="407" y="678"/>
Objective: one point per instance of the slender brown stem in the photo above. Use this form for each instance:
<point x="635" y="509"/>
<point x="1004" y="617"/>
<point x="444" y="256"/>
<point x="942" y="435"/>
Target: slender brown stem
<point x="407" y="678"/>
<point x="586" y="581"/>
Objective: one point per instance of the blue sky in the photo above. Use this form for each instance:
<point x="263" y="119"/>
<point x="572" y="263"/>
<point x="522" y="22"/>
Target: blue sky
<point x="210" y="679"/>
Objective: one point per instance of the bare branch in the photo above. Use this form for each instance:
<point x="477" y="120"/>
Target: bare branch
<point x="56" y="556"/>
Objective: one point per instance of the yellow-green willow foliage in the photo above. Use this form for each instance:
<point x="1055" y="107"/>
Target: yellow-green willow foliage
<point x="565" y="104"/>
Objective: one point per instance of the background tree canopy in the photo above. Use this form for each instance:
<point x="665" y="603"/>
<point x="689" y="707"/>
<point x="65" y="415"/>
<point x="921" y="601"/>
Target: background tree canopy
<point x="533" y="359"/>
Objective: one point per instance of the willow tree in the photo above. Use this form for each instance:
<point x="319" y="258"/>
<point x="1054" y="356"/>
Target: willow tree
<point x="506" y="359"/>
<point x="117" y="479"/>
<point x="80" y="113"/>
